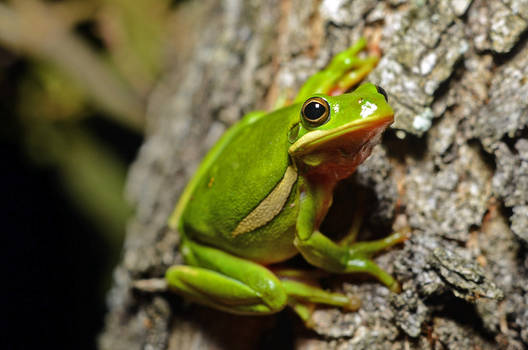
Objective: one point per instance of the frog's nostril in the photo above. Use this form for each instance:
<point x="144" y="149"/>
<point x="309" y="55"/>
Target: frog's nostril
<point x="383" y="92"/>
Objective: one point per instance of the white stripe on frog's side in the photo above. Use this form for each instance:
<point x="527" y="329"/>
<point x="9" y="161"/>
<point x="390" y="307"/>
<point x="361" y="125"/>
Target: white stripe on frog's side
<point x="271" y="206"/>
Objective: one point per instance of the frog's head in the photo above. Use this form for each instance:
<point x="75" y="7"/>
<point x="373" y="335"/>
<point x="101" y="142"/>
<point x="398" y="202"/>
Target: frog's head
<point x="337" y="133"/>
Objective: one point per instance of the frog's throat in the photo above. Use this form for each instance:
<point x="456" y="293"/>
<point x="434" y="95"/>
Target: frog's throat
<point x="317" y="138"/>
<point x="270" y="206"/>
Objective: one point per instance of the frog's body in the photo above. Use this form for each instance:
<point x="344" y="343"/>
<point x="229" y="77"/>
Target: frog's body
<point x="202" y="218"/>
<point x="263" y="190"/>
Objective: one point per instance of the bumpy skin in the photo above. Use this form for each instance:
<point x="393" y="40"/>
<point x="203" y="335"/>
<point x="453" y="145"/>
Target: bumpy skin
<point x="263" y="190"/>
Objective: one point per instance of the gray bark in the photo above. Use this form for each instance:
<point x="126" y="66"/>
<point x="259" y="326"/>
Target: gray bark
<point x="454" y="169"/>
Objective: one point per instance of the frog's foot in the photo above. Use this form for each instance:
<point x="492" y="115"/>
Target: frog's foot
<point x="305" y="310"/>
<point x="362" y="264"/>
<point x="223" y="281"/>
<point x="320" y="251"/>
<point x="365" y="250"/>
<point x="344" y="72"/>
<point x="370" y="248"/>
<point x="303" y="297"/>
<point x="360" y="254"/>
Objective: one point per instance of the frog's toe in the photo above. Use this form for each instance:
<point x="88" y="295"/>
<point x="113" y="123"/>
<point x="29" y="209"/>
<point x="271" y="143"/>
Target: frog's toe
<point x="395" y="287"/>
<point x="354" y="303"/>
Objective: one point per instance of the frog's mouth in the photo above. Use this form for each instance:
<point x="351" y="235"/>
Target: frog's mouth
<point x="341" y="149"/>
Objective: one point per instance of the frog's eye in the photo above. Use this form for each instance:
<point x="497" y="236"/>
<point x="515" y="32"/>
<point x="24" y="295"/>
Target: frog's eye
<point x="315" y="111"/>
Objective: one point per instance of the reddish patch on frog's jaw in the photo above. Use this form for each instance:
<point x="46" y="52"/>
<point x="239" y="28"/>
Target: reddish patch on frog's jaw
<point x="341" y="152"/>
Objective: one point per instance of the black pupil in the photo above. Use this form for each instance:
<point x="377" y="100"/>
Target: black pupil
<point x="314" y="110"/>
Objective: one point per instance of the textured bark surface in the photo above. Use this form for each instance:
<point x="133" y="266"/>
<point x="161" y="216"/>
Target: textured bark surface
<point x="455" y="171"/>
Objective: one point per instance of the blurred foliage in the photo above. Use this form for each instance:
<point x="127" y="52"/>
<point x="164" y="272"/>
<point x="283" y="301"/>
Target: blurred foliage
<point x="86" y="60"/>
<point x="44" y="86"/>
<point x="134" y="32"/>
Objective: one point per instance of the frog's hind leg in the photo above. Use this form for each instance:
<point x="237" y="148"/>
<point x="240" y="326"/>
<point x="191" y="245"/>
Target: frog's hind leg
<point x="304" y="296"/>
<point x="223" y="281"/>
<point x="344" y="71"/>
<point x="311" y="294"/>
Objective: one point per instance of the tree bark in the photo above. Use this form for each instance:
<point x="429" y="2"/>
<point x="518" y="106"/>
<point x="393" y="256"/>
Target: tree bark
<point x="454" y="169"/>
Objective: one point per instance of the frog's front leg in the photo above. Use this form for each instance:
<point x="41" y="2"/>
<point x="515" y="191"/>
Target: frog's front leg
<point x="226" y="282"/>
<point x="322" y="252"/>
<point x="344" y="71"/>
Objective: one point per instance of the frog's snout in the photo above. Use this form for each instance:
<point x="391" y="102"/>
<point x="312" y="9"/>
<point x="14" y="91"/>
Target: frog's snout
<point x="383" y="92"/>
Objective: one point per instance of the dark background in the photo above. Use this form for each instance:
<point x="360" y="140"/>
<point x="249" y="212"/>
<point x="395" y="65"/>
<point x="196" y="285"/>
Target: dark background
<point x="74" y="80"/>
<point x="55" y="262"/>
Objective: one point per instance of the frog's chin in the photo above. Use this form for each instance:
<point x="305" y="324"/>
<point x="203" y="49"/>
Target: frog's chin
<point x="339" y="151"/>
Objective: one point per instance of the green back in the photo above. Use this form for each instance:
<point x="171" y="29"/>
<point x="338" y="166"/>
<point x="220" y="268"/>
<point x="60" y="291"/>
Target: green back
<point x="240" y="172"/>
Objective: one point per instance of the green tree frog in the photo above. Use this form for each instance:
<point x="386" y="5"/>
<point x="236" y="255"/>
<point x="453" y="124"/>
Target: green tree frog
<point x="262" y="192"/>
